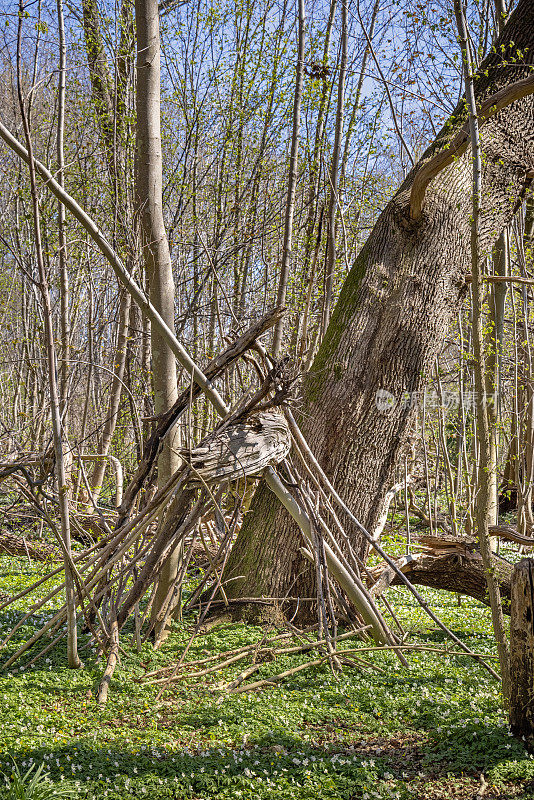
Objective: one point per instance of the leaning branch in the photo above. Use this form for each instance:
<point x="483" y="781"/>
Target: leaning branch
<point x="215" y="368"/>
<point x="460" y="142"/>
<point x="376" y="546"/>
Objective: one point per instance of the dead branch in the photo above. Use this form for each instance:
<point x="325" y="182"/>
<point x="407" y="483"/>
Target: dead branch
<point x="214" y="369"/>
<point x="260" y="654"/>
<point x="341" y="654"/>
<point x="449" y="563"/>
<point x="244" y="448"/>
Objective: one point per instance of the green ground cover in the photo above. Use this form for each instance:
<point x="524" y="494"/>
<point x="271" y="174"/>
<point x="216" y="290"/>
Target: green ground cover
<point x="428" y="731"/>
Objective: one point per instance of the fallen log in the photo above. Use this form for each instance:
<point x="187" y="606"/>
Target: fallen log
<point x="19" y="546"/>
<point x="450" y="563"/>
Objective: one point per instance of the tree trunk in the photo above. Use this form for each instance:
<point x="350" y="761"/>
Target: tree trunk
<point x="522" y="652"/>
<point x="388" y="325"/>
<point x="495" y="342"/>
<point x="482" y="420"/>
<point x="119" y="366"/>
<point x="111" y="116"/>
<point x="292" y="181"/>
<point x="49" y="347"/>
<point x="333" y="197"/>
<point x="155" y="245"/>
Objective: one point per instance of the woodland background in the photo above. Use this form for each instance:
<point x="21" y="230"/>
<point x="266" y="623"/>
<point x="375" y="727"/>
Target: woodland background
<point x="234" y="159"/>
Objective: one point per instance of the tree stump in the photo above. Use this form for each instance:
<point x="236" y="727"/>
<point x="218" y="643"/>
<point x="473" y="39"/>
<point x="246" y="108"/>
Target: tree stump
<point x="522" y="651"/>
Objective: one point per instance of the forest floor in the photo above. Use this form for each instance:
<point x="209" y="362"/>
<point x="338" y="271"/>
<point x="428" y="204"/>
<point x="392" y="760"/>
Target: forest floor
<point x="430" y="731"/>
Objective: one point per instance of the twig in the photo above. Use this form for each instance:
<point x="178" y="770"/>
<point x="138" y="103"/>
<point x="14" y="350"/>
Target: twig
<point x="260" y="651"/>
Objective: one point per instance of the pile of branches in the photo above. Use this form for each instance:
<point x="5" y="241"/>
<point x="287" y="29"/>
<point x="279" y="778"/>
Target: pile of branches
<point x="116" y="575"/>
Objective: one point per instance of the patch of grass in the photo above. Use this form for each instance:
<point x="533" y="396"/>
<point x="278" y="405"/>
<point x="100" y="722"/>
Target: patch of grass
<point x="428" y="731"/>
<point x="34" y="784"/>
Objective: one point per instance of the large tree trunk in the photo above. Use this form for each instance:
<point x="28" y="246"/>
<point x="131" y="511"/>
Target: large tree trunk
<point x="522" y="652"/>
<point x="386" y="330"/>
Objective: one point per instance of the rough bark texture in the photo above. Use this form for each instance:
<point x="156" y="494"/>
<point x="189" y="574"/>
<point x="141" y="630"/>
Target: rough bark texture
<point x="452" y="564"/>
<point x="19" y="546"/>
<point x="522" y="652"/>
<point x="387" y="327"/>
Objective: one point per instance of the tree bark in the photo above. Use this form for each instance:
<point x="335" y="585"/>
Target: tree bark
<point x="155" y="246"/>
<point x="387" y="327"/>
<point x="522" y="652"/>
<point x="460" y="570"/>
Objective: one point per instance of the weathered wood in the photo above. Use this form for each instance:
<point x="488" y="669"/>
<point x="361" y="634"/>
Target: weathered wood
<point x="522" y="652"/>
<point x="241" y="449"/>
<point x="214" y="369"/>
<point x="460" y="142"/>
<point x="450" y="563"/>
<point x="19" y="546"/>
